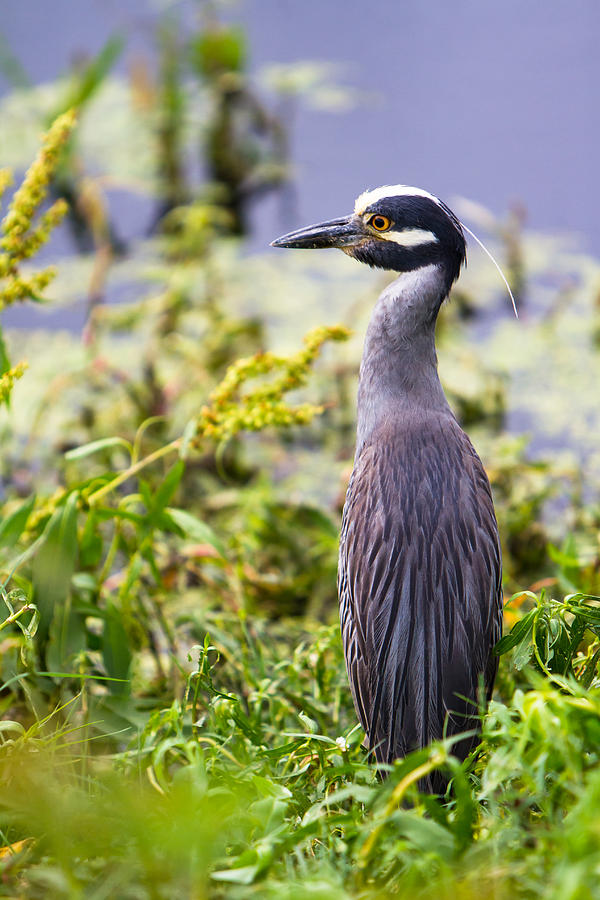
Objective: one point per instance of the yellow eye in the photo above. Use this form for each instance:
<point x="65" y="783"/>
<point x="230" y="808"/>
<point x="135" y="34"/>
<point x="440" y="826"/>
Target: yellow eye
<point x="379" y="223"/>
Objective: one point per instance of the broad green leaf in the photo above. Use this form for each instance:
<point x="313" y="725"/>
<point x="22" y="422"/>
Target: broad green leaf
<point x="243" y="875"/>
<point x="91" y="545"/>
<point x="116" y="652"/>
<point x="85" y="581"/>
<point x="195" y="529"/>
<point x="250" y="864"/>
<point x="54" y="565"/>
<point x="268" y="788"/>
<point x="522" y="654"/>
<point x="67" y="637"/>
<point x="518" y="633"/>
<point x="425" y="834"/>
<point x="564" y="559"/>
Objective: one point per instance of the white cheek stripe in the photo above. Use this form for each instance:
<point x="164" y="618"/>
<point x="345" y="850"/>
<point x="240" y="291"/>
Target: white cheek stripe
<point x="411" y="237"/>
<point x="389" y="190"/>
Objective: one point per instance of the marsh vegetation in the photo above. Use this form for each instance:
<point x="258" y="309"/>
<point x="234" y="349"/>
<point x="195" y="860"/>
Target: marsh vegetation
<point x="176" y="720"/>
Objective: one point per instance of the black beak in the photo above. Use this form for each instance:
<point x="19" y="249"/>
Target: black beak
<point x="337" y="233"/>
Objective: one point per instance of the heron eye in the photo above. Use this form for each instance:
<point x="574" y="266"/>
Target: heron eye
<point x="379" y="223"/>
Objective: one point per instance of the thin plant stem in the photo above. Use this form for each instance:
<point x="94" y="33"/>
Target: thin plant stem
<point x="133" y="470"/>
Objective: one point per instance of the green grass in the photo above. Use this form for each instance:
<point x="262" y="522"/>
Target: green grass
<point x="254" y="783"/>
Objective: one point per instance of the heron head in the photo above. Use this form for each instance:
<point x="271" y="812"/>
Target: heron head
<point x="396" y="227"/>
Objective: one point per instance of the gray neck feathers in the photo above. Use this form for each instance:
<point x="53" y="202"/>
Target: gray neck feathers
<point x="398" y="373"/>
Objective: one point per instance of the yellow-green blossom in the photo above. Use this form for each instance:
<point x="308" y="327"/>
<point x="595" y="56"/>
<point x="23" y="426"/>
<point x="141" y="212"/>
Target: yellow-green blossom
<point x="8" y="379"/>
<point x="231" y="411"/>
<point x="20" y="236"/>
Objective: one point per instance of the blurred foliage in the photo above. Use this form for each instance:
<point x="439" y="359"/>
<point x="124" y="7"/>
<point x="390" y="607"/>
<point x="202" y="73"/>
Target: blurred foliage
<point x="176" y="720"/>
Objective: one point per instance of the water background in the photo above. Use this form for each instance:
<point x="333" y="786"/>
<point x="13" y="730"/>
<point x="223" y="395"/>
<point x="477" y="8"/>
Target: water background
<point x="494" y="101"/>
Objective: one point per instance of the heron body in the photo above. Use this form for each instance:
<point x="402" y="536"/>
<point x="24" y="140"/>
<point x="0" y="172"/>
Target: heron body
<point x="420" y="564"/>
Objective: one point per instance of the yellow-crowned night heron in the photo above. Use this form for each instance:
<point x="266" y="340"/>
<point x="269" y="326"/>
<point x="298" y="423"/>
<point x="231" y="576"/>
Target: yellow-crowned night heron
<point x="420" y="567"/>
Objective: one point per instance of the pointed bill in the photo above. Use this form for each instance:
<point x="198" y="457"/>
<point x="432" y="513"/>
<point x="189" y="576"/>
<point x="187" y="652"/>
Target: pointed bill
<point x="336" y="233"/>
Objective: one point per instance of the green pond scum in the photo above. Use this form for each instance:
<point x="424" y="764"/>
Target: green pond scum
<point x="176" y="720"/>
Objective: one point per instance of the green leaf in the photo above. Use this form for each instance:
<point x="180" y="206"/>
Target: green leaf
<point x="115" y="650"/>
<point x="146" y="495"/>
<point x="268" y="788"/>
<point x="168" y="487"/>
<point x="147" y="551"/>
<point x="189" y="433"/>
<point x="54" y="565"/>
<point x="243" y="875"/>
<point x="196" y="530"/>
<point x="425" y="834"/>
<point x="589" y="614"/>
<point x="251" y="864"/>
<point x="92" y="76"/>
<point x="523" y="654"/>
<point x="67" y="637"/>
<point x="564" y="559"/>
<point x="133" y="572"/>
<point x="12" y="527"/>
<point x="590" y="670"/>
<point x="518" y="633"/>
<point x="17" y="562"/>
<point x="4" y="360"/>
<point x="7" y="726"/>
<point x="97" y="446"/>
<point x="246" y="726"/>
<point x="91" y="545"/>
<point x="105" y="513"/>
<point x="85" y="581"/>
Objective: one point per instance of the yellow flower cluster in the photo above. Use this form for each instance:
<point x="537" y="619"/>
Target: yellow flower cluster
<point x="230" y="411"/>
<point x="20" y="237"/>
<point x="8" y="379"/>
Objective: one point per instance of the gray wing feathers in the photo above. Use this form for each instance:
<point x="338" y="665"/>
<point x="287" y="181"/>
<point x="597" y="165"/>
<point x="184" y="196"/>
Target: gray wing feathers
<point x="419" y="586"/>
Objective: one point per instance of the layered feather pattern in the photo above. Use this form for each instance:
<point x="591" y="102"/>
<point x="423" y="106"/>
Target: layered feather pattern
<point x="419" y="585"/>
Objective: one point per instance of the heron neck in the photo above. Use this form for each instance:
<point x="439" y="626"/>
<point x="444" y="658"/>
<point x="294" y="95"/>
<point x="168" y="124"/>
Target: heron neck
<point x="398" y="373"/>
